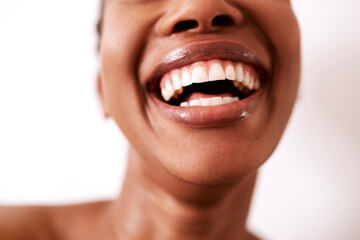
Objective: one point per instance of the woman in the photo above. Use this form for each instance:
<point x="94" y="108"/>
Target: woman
<point x="203" y="91"/>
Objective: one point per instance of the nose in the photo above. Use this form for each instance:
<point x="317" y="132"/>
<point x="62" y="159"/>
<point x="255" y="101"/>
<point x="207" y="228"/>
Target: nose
<point x="201" y="16"/>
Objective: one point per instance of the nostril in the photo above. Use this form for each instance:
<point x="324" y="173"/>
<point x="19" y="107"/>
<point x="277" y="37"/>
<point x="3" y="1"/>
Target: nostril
<point x="185" y="25"/>
<point x="222" y="20"/>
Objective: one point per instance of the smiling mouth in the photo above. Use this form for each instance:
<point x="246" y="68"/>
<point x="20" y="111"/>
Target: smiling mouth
<point x="209" y="83"/>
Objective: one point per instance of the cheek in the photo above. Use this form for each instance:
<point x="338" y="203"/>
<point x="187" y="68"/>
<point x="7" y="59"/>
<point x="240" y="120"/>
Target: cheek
<point x="120" y="50"/>
<point x="280" y="25"/>
<point x="124" y="35"/>
<point x="126" y="29"/>
<point x="120" y="38"/>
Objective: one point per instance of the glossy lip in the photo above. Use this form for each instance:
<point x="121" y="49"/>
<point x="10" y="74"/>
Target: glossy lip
<point x="213" y="116"/>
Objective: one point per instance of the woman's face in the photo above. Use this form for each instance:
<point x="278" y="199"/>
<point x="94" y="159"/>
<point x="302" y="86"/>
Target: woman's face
<point x="159" y="54"/>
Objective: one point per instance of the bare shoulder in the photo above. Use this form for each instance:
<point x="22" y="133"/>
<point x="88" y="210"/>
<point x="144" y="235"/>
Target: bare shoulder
<point x="23" y="223"/>
<point x="46" y="222"/>
<point x="83" y="221"/>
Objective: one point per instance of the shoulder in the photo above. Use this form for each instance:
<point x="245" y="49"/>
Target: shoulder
<point x="24" y="223"/>
<point x="49" y="223"/>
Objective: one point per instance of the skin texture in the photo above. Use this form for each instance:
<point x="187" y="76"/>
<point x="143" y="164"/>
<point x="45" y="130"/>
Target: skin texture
<point x="183" y="181"/>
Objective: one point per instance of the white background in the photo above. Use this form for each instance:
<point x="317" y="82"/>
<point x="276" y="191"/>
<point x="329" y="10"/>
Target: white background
<point x="56" y="148"/>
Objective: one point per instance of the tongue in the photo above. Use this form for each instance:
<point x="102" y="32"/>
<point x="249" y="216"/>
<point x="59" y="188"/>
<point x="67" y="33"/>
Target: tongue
<point x="198" y="95"/>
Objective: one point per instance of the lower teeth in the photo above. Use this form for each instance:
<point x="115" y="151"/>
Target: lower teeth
<point x="206" y="102"/>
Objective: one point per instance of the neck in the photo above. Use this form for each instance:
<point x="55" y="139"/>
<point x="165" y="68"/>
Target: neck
<point x="156" y="205"/>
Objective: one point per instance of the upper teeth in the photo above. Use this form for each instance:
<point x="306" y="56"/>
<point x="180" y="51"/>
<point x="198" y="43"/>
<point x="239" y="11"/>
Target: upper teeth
<point x="172" y="83"/>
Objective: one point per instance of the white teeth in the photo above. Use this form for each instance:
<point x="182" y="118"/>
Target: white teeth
<point x="207" y="102"/>
<point x="227" y="100"/>
<point x="216" y="101"/>
<point x="168" y="91"/>
<point x="176" y="80"/>
<point x="235" y="99"/>
<point x="173" y="83"/>
<point x="195" y="102"/>
<point x="186" y="78"/>
<point x="165" y="94"/>
<point x="251" y="83"/>
<point x="230" y="72"/>
<point x="239" y="73"/>
<point x="169" y="87"/>
<point x="246" y="81"/>
<point x="216" y="72"/>
<point x="184" y="104"/>
<point x="199" y="75"/>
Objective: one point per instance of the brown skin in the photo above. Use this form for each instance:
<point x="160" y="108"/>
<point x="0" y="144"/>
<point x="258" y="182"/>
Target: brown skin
<point x="204" y="190"/>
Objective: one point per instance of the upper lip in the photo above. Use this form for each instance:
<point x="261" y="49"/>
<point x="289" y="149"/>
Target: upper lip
<point x="204" y="51"/>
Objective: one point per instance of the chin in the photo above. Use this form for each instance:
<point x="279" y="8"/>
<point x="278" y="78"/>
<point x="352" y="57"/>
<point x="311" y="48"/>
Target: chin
<point x="215" y="163"/>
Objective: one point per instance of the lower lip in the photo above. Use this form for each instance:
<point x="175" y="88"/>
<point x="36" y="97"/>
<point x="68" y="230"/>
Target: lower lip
<point x="209" y="116"/>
